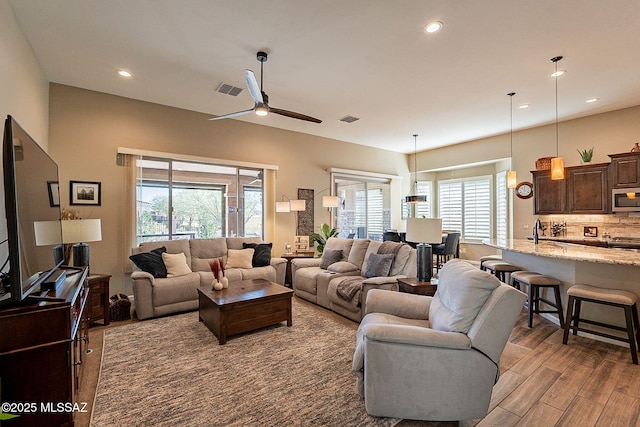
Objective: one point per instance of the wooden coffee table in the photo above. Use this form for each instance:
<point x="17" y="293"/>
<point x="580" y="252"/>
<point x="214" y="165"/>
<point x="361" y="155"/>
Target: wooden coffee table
<point x="244" y="306"/>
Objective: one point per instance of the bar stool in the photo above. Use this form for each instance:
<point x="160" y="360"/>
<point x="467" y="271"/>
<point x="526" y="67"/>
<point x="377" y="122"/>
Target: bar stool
<point x="534" y="282"/>
<point x="613" y="297"/>
<point x="500" y="269"/>
<point x="489" y="258"/>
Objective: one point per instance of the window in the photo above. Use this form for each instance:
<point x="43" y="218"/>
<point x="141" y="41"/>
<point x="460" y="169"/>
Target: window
<point x="364" y="210"/>
<point x="501" y="206"/>
<point x="186" y="200"/>
<point x="465" y="205"/>
<point x="423" y="210"/>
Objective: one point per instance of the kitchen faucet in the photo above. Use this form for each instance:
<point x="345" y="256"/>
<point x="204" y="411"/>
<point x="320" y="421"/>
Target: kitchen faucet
<point x="537" y="226"/>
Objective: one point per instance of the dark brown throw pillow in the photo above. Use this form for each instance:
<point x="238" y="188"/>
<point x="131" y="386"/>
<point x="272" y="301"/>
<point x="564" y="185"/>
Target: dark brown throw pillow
<point x="151" y="262"/>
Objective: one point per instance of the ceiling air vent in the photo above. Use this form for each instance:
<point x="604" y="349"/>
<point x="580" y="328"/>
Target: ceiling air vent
<point x="228" y="89"/>
<point x="349" y="119"/>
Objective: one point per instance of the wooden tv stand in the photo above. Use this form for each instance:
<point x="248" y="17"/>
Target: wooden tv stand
<point x="42" y="348"/>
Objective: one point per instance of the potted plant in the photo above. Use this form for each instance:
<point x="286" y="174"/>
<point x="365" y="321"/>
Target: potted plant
<point x="586" y="155"/>
<point x="322" y="237"/>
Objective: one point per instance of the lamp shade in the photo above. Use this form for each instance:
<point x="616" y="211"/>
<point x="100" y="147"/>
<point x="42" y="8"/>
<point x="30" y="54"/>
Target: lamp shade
<point x="424" y="230"/>
<point x="297" y="205"/>
<point x="47" y="233"/>
<point x="416" y="198"/>
<point x="81" y="230"/>
<point x="557" y="168"/>
<point x="283" y="207"/>
<point x="512" y="180"/>
<point x="330" y="201"/>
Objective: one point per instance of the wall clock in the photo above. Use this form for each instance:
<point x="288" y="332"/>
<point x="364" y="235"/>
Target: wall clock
<point x="524" y="190"/>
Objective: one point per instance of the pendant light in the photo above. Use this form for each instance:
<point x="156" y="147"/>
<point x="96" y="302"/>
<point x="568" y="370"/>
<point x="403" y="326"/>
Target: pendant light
<point x="557" y="162"/>
<point x="512" y="179"/>
<point x="415" y="198"/>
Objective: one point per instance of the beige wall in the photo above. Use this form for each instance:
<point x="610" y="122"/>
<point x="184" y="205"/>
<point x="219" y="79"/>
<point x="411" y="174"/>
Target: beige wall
<point x="608" y="133"/>
<point x="86" y="129"/>
<point x="23" y="87"/>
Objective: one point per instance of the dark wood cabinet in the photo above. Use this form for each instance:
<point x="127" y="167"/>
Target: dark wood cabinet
<point x="549" y="196"/>
<point x="588" y="189"/>
<point x="625" y="170"/>
<point x="42" y="349"/>
<point x="99" y="304"/>
<point x="585" y="190"/>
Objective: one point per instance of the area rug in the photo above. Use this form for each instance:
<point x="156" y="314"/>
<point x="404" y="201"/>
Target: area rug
<point x="172" y="372"/>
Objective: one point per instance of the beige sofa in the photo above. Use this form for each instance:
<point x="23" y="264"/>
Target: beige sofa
<point x="160" y="296"/>
<point x="320" y="285"/>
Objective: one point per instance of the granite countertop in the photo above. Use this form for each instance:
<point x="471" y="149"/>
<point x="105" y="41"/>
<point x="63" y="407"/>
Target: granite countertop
<point x="569" y="251"/>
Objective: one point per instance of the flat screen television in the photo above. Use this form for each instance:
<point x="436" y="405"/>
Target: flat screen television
<point x="30" y="195"/>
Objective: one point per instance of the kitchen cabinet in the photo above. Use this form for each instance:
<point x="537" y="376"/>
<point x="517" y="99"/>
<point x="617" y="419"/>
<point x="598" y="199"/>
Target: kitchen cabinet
<point x="625" y="170"/>
<point x="588" y="189"/>
<point x="549" y="196"/>
<point x="585" y="190"/>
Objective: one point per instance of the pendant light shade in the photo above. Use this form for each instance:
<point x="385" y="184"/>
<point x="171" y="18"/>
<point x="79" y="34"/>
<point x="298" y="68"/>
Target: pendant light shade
<point x="512" y="179"/>
<point x="415" y="198"/>
<point x="557" y="163"/>
<point x="557" y="168"/>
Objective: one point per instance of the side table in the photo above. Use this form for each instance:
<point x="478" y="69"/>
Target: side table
<point x="99" y="304"/>
<point x="411" y="285"/>
<point x="289" y="257"/>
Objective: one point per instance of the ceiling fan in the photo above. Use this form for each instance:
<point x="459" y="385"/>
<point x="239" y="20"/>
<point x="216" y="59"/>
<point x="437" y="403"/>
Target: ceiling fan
<point x="261" y="99"/>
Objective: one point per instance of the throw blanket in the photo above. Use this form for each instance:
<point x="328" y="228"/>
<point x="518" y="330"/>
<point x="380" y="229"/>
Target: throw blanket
<point x="349" y="289"/>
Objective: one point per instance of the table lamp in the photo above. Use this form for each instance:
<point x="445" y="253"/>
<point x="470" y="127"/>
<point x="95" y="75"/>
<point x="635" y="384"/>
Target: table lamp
<point x="423" y="231"/>
<point x="80" y="231"/>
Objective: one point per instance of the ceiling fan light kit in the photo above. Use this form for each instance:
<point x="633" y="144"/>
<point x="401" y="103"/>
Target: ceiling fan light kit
<point x="261" y="107"/>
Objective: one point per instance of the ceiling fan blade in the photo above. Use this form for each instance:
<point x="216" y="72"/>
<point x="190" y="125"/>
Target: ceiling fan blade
<point x="294" y="115"/>
<point x="228" y="116"/>
<point x="252" y="85"/>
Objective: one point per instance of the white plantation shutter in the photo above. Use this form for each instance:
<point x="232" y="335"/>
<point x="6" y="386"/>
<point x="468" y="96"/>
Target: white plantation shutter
<point x="465" y="205"/>
<point x="450" y="204"/>
<point x="424" y="209"/>
<point x="375" y="226"/>
<point x="477" y="209"/>
<point x="501" y="206"/>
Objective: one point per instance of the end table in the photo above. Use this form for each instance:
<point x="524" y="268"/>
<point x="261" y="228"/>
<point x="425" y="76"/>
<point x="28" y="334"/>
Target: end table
<point x="287" y="278"/>
<point x="98" y="301"/>
<point x="412" y="286"/>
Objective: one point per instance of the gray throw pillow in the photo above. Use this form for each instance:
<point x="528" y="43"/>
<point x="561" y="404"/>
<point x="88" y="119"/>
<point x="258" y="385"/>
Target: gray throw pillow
<point x="329" y="256"/>
<point x="378" y="265"/>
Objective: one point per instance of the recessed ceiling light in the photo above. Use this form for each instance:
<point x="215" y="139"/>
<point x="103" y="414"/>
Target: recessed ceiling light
<point x="558" y="73"/>
<point x="433" y="27"/>
<point x="590" y="100"/>
<point x="124" y="73"/>
<point x="523" y="106"/>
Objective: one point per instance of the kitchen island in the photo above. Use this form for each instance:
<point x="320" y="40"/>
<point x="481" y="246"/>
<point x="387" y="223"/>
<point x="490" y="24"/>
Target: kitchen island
<point x="575" y="263"/>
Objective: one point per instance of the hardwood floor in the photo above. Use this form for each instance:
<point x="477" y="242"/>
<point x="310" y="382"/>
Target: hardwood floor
<point x="543" y="382"/>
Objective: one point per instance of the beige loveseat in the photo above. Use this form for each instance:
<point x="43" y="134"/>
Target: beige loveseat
<point x="160" y="296"/>
<point x="321" y="285"/>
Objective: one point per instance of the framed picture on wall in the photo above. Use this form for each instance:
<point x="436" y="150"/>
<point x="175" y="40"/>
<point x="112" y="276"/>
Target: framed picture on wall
<point x="84" y="193"/>
<point x="53" y="187"/>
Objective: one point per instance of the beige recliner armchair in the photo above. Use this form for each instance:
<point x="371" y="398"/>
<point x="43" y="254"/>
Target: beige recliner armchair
<point x="435" y="358"/>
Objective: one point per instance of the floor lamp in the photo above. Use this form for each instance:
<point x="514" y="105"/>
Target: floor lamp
<point x="424" y="231"/>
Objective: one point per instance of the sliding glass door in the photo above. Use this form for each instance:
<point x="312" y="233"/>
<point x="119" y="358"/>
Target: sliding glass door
<point x="364" y="207"/>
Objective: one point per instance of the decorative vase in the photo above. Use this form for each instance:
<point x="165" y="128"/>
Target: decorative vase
<point x="217" y="285"/>
<point x="225" y="282"/>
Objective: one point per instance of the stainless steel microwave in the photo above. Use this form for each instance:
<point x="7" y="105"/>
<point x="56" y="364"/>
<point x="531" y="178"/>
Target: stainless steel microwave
<point x="625" y="199"/>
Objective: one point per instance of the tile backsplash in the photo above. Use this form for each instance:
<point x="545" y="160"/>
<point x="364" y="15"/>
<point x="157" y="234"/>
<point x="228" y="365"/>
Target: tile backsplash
<point x="616" y="225"/>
